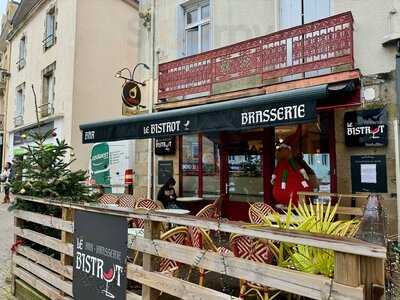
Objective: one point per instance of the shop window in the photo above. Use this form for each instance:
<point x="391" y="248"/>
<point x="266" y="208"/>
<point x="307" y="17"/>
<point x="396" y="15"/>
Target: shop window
<point x="312" y="147"/>
<point x="197" y="28"/>
<point x="22" y="53"/>
<point x="50" y="29"/>
<point x="210" y="160"/>
<point x="190" y="161"/>
<point x="245" y="171"/>
<point x="200" y="167"/>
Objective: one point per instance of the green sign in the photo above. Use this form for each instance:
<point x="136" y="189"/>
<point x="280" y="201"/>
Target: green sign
<point x="100" y="164"/>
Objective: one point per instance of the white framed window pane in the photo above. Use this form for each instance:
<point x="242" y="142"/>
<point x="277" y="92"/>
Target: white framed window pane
<point x="205" y="12"/>
<point x="51" y="89"/>
<point x="205" y="37"/>
<point x="50" y="25"/>
<point x="316" y="9"/>
<point x="22" y="48"/>
<point x="192" y="41"/>
<point x="192" y="17"/>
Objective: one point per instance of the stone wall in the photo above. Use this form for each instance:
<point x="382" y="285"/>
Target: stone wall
<point x="385" y="97"/>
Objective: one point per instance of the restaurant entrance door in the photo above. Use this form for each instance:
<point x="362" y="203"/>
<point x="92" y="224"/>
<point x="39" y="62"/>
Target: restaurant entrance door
<point x="246" y="166"/>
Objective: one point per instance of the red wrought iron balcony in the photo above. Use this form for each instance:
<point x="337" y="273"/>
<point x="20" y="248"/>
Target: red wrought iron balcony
<point x="323" y="46"/>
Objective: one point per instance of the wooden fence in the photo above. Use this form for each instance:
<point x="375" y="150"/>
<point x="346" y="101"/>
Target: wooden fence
<point x="359" y="268"/>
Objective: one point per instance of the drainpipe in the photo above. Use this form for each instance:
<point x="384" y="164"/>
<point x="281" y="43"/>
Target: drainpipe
<point x="150" y="154"/>
<point x="396" y="132"/>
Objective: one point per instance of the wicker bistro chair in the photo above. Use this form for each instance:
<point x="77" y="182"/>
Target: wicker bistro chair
<point x="202" y="240"/>
<point x="127" y="200"/>
<point x="177" y="235"/>
<point x="109" y="199"/>
<point x="257" y="250"/>
<point x="146" y="204"/>
<point x="258" y="211"/>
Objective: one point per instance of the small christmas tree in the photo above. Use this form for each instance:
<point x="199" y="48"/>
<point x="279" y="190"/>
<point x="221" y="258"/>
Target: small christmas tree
<point x="44" y="171"/>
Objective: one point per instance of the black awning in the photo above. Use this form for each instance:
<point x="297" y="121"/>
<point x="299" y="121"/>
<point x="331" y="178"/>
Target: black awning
<point x="289" y="107"/>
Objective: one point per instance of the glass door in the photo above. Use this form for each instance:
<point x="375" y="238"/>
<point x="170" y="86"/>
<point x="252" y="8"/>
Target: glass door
<point x="245" y="182"/>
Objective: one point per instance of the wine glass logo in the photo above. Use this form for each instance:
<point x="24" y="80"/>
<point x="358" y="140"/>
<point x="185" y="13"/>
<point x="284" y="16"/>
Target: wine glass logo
<point x="374" y="132"/>
<point x="109" y="277"/>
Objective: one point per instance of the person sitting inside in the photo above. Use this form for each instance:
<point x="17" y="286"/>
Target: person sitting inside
<point x="166" y="194"/>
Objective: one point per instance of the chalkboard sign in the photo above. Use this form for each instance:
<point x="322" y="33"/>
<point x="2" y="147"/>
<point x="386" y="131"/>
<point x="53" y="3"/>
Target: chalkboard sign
<point x="368" y="173"/>
<point x="165" y="170"/>
<point x="366" y="128"/>
<point x="100" y="251"/>
<point x="165" y="146"/>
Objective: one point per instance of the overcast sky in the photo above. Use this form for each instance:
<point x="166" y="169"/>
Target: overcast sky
<point x="3" y="6"/>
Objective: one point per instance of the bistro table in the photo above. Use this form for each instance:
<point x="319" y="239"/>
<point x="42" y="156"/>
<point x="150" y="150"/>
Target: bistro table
<point x="189" y="199"/>
<point x="177" y="211"/>
<point x="139" y="232"/>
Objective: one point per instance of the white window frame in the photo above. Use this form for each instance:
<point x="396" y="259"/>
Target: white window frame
<point x="19" y="105"/>
<point x="22" y="53"/>
<point x="48" y="97"/>
<point x="196" y="6"/>
<point x="50" y="34"/>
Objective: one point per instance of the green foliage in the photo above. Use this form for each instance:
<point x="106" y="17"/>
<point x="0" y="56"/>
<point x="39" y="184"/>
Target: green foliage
<point x="317" y="219"/>
<point x="44" y="171"/>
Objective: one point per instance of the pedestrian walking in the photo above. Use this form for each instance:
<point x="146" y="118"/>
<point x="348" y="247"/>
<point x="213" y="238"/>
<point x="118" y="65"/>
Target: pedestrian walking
<point x="7" y="177"/>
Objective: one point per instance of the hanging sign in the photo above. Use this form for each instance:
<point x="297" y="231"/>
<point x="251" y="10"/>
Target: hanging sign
<point x="100" y="251"/>
<point x="366" y="128"/>
<point x="165" y="146"/>
<point x="368" y="173"/>
<point x="131" y="94"/>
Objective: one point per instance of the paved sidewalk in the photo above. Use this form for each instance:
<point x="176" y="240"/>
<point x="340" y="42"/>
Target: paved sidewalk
<point x="6" y="238"/>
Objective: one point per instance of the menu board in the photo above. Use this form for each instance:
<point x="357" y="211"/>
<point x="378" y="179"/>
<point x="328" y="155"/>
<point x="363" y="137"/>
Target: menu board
<point x="100" y="253"/>
<point x="368" y="173"/>
<point x="165" y="170"/>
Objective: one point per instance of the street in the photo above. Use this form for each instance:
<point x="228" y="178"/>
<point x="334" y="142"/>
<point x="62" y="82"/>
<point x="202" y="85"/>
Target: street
<point x="6" y="235"/>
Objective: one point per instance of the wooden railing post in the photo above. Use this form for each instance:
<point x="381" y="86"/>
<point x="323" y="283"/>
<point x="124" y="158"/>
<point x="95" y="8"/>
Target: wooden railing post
<point x="17" y="223"/>
<point x="66" y="237"/>
<point x="347" y="269"/>
<point x="373" y="277"/>
<point x="150" y="263"/>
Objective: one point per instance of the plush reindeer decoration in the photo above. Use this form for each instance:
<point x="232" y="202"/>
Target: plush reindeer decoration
<point x="289" y="176"/>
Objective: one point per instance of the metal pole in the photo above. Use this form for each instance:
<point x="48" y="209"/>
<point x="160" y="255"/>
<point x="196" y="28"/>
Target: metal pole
<point x="150" y="154"/>
<point x="396" y="132"/>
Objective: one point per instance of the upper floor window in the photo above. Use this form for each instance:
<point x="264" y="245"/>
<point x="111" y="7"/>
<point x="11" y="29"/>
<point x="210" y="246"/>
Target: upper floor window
<point x="197" y="28"/>
<point x="22" y="53"/>
<point x="48" y="94"/>
<point x="50" y="29"/>
<point x="298" y="12"/>
<point x="19" y="105"/>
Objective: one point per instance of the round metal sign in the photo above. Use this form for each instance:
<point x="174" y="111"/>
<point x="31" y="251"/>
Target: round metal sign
<point x="131" y="94"/>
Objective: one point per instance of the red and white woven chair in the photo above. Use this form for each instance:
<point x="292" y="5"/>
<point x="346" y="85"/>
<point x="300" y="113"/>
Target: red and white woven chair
<point x="146" y="204"/>
<point x="257" y="250"/>
<point x="177" y="235"/>
<point x="127" y="200"/>
<point x="201" y="239"/>
<point x="258" y="211"/>
<point x="108" y="199"/>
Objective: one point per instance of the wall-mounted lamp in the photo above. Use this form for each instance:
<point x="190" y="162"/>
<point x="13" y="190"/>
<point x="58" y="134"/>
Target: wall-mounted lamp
<point x="131" y="74"/>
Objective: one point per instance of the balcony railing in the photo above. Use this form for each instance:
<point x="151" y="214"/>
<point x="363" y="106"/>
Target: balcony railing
<point x="18" y="120"/>
<point x="320" y="45"/>
<point x="46" y="110"/>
